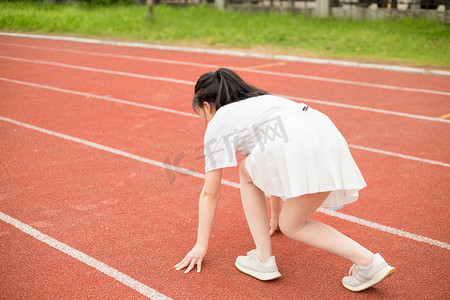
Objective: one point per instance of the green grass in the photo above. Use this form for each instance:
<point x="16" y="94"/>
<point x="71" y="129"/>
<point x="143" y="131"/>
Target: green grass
<point x="418" y="42"/>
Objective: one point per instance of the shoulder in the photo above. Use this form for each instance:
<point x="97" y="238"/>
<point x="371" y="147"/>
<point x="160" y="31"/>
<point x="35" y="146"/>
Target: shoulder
<point x="269" y="100"/>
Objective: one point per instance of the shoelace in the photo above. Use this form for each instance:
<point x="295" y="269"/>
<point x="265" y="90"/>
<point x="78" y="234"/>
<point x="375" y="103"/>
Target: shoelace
<point x="252" y="252"/>
<point x="353" y="270"/>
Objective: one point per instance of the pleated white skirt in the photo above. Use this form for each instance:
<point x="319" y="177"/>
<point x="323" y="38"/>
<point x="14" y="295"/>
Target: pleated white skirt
<point x="315" y="158"/>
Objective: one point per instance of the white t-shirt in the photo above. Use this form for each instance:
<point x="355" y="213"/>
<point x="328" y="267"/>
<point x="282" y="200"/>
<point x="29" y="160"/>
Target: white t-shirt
<point x="238" y="127"/>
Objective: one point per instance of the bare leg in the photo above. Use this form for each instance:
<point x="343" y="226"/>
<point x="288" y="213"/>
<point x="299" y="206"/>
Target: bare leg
<point x="293" y="223"/>
<point x="257" y="214"/>
<point x="276" y="204"/>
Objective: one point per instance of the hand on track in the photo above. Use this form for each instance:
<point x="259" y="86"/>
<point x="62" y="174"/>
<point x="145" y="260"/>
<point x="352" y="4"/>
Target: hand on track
<point x="194" y="257"/>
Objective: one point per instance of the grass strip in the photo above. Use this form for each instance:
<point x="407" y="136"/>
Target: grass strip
<point x="414" y="42"/>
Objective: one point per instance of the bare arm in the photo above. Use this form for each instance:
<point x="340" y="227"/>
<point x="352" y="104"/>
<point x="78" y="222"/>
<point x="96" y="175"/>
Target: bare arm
<point x="208" y="201"/>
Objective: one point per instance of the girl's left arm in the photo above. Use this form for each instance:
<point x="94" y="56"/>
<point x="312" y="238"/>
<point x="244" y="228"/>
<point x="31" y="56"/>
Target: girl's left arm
<point x="208" y="201"/>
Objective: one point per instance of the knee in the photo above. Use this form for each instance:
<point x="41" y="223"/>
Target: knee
<point x="290" y="228"/>
<point x="285" y="226"/>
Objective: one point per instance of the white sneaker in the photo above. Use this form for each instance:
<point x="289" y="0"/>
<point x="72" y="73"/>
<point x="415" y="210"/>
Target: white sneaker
<point x="251" y="265"/>
<point x="362" y="278"/>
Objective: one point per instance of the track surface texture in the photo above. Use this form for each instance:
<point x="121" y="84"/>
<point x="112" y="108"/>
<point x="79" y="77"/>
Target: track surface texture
<point x="102" y="166"/>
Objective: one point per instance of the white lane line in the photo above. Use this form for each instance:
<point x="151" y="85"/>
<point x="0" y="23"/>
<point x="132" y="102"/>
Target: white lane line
<point x="370" y="109"/>
<point x="233" y="53"/>
<point x="265" y="72"/>
<point x="226" y="182"/>
<point x="384" y="228"/>
<point x="191" y="83"/>
<point x="134" y="75"/>
<point x="348" y="82"/>
<point x="409" y="157"/>
<point x="110" y="99"/>
<point x="122" y="56"/>
<point x="404" y="156"/>
<point x="112" y="150"/>
<point x="84" y="258"/>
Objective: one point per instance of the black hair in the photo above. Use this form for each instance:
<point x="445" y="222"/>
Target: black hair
<point x="222" y="87"/>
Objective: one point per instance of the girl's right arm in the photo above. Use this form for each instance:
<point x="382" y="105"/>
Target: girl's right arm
<point x="208" y="201"/>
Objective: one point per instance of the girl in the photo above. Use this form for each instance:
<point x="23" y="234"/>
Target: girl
<point x="293" y="153"/>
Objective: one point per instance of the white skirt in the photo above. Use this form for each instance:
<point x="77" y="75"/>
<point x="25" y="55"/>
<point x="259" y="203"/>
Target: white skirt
<point x="315" y="158"/>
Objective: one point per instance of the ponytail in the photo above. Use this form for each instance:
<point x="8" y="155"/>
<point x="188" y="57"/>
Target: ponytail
<point x="222" y="87"/>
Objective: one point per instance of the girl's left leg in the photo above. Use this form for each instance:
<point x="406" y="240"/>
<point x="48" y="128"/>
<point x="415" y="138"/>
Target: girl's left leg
<point x="294" y="224"/>
<point x="369" y="268"/>
<point x="257" y="213"/>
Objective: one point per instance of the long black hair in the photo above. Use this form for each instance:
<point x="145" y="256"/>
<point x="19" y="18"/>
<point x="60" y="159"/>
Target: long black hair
<point x="222" y="87"/>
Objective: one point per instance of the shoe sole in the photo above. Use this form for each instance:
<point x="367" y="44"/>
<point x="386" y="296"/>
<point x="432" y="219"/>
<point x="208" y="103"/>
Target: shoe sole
<point x="258" y="275"/>
<point x="382" y="275"/>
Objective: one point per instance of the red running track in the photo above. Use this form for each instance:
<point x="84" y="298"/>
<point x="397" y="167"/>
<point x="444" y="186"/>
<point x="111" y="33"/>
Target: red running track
<point x="81" y="164"/>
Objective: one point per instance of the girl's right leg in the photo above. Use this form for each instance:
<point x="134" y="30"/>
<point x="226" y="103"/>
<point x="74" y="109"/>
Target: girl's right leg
<point x="260" y="263"/>
<point x="256" y="212"/>
<point x="294" y="224"/>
